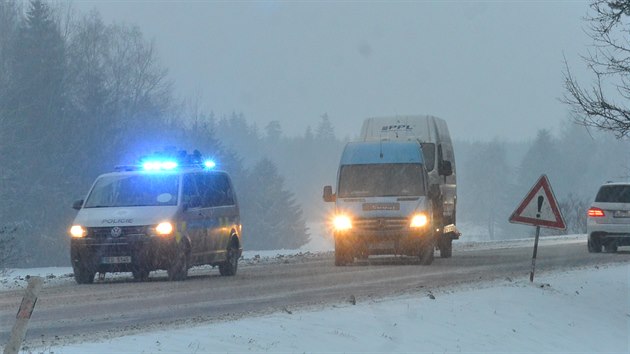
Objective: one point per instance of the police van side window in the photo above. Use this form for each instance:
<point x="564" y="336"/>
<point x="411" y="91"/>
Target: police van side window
<point x="217" y="191"/>
<point x="223" y="185"/>
<point x="190" y="192"/>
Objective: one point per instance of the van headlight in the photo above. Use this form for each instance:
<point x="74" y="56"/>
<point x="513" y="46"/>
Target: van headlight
<point x="418" y="220"/>
<point x="164" y="229"/>
<point x="78" y="231"/>
<point x="342" y="223"/>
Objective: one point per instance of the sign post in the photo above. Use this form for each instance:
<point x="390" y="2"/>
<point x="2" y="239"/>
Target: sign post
<point x="539" y="208"/>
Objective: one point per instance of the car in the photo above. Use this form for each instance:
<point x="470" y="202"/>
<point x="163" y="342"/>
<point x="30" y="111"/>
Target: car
<point x="608" y="219"/>
<point x="165" y="213"/>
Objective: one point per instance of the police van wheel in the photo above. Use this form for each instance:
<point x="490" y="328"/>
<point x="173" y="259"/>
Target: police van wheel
<point x="610" y="248"/>
<point x="178" y="270"/>
<point x="229" y="267"/>
<point x="83" y="275"/>
<point x="446" y="248"/>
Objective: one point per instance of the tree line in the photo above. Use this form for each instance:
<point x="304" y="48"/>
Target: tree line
<point x="79" y="96"/>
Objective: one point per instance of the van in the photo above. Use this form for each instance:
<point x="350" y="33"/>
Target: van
<point x="382" y="202"/>
<point x="171" y="214"/>
<point x="437" y="148"/>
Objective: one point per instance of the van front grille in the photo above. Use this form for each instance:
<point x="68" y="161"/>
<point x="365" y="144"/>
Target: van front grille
<point x="108" y="232"/>
<point x="381" y="224"/>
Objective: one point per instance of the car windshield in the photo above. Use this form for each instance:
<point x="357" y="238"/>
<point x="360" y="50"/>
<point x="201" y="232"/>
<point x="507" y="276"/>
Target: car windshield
<point x="134" y="190"/>
<point x="614" y="194"/>
<point x="382" y="180"/>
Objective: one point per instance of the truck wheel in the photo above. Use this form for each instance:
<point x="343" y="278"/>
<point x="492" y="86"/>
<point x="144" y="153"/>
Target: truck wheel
<point x="229" y="267"/>
<point x="594" y="244"/>
<point x="178" y="269"/>
<point x="343" y="254"/>
<point x="446" y="248"/>
<point x="83" y="275"/>
<point x="427" y="253"/>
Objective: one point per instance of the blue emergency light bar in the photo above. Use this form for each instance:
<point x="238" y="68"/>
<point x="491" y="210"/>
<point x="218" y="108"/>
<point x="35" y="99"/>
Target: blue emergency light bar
<point x="170" y="162"/>
<point x="159" y="165"/>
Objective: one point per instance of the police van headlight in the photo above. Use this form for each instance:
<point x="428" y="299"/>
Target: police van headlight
<point x="164" y="229"/>
<point x="342" y="223"/>
<point x="78" y="231"/>
<point x="419" y="220"/>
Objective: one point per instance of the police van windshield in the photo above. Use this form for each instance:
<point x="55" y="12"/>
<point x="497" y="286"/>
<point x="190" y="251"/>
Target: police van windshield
<point x="134" y="190"/>
<point x="381" y="180"/>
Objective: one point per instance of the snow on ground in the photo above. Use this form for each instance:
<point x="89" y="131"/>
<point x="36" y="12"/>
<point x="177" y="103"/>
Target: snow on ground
<point x="585" y="311"/>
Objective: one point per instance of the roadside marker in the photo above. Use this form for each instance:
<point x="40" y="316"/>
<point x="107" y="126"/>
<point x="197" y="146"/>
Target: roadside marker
<point x="18" y="333"/>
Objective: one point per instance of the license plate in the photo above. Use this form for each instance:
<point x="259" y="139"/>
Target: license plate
<point x="382" y="246"/>
<point x="621" y="214"/>
<point x="116" y="260"/>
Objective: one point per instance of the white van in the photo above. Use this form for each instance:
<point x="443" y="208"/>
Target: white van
<point x="437" y="149"/>
<point x="382" y="202"/>
<point x="170" y="213"/>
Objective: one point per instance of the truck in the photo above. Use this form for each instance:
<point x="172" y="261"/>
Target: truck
<point x="396" y="191"/>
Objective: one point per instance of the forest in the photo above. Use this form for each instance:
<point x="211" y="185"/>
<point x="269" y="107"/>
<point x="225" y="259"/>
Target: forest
<point x="79" y="96"/>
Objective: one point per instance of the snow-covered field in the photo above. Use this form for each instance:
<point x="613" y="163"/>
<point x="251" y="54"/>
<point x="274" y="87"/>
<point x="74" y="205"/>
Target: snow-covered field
<point x="585" y="310"/>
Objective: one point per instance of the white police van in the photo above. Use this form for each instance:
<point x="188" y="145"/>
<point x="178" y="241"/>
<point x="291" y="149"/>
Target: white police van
<point x="170" y="212"/>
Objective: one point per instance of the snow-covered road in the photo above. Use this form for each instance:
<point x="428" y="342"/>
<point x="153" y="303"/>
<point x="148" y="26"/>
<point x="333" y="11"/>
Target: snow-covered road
<point x="480" y="300"/>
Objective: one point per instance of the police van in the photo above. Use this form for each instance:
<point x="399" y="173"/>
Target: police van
<point x="169" y="212"/>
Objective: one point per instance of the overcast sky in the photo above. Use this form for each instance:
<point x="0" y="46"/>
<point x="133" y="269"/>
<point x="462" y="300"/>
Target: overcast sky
<point x="491" y="69"/>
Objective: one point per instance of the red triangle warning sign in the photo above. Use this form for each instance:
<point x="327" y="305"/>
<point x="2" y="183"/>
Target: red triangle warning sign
<point x="539" y="208"/>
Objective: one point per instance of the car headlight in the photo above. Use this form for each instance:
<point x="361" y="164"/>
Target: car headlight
<point x="342" y="223"/>
<point x="78" y="231"/>
<point x="419" y="220"/>
<point x="164" y="229"/>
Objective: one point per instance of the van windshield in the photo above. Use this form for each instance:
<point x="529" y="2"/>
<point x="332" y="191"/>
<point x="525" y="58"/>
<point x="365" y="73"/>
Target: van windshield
<point x="134" y="190"/>
<point x="381" y="180"/>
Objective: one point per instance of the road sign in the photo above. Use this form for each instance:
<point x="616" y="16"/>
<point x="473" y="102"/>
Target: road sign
<point x="539" y="208"/>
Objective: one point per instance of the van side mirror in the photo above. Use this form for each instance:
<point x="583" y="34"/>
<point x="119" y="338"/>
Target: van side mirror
<point x="77" y="205"/>
<point x="328" y="194"/>
<point x="446" y="169"/>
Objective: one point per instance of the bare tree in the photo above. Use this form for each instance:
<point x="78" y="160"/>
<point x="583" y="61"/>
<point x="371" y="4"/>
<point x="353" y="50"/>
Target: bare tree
<point x="602" y="104"/>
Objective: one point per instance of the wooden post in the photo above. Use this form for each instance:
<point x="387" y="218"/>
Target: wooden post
<point x="24" y="314"/>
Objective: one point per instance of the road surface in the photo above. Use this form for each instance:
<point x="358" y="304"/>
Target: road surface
<point x="70" y="312"/>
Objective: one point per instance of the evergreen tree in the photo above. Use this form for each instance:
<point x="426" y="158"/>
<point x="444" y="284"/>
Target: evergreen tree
<point x="325" y="131"/>
<point x="542" y="157"/>
<point x="271" y="217"/>
<point x="273" y="131"/>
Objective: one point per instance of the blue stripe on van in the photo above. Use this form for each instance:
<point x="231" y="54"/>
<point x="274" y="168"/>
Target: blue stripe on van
<point x="363" y="153"/>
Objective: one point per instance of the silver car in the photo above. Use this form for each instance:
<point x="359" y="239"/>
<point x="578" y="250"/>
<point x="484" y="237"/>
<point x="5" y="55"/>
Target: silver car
<point x="608" y="222"/>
